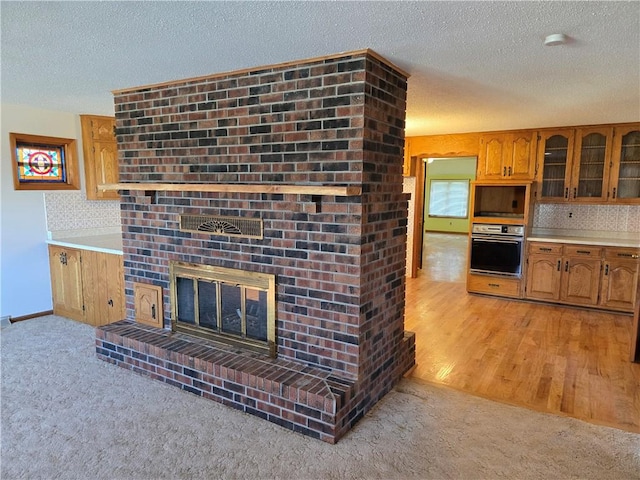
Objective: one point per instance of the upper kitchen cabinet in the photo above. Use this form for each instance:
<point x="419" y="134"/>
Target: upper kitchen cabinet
<point x="507" y="155"/>
<point x="624" y="181"/>
<point x="100" y="155"/>
<point x="555" y="151"/>
<point x="598" y="164"/>
<point x="592" y="160"/>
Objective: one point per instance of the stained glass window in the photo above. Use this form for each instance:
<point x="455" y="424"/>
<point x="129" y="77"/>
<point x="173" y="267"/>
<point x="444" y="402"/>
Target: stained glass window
<point x="44" y="163"/>
<point x="40" y="163"/>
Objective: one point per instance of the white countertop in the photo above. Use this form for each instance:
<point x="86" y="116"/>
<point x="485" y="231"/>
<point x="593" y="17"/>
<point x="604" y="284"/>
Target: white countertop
<point x="586" y="237"/>
<point x="107" y="243"/>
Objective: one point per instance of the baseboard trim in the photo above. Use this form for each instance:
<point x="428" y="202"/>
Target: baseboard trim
<point x="31" y="315"/>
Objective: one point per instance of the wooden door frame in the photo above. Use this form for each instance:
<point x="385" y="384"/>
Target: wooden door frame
<point x="418" y="214"/>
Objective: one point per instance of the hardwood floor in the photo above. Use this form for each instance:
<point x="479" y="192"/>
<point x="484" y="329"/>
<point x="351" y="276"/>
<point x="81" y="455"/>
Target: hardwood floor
<point x="562" y="360"/>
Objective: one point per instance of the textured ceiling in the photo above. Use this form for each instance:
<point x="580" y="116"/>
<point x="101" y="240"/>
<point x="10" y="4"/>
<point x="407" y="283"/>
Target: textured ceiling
<point x="475" y="66"/>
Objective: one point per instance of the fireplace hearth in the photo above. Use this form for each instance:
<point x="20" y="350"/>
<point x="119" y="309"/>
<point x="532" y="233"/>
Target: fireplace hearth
<point x="297" y="315"/>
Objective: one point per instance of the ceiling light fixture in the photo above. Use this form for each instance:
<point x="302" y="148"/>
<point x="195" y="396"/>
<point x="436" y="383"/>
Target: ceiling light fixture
<point x="555" y="39"/>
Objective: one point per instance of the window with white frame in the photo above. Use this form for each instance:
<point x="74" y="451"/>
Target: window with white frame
<point x="449" y="198"/>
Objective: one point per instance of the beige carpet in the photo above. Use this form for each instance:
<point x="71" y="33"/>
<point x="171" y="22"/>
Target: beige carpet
<point x="67" y="415"/>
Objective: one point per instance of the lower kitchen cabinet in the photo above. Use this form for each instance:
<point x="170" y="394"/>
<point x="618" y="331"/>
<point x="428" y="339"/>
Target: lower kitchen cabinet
<point x="583" y="275"/>
<point x="620" y="278"/>
<point x="493" y="285"/>
<point x="86" y="285"/>
<point x="66" y="282"/>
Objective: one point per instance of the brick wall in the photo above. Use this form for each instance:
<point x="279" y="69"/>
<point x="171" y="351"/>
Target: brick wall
<point x="340" y="266"/>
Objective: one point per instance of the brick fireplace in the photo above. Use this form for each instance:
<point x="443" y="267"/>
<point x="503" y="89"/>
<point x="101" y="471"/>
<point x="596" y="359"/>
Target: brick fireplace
<point x="313" y="150"/>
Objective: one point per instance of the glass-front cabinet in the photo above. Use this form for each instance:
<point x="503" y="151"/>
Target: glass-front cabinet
<point x="554" y="164"/>
<point x="598" y="164"/>
<point x="624" y="184"/>
<point x="590" y="173"/>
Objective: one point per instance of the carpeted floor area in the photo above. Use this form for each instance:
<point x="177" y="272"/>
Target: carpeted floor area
<point x="68" y="415"/>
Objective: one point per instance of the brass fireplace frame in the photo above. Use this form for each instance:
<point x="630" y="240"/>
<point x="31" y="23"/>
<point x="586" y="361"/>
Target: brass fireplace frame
<point x="220" y="275"/>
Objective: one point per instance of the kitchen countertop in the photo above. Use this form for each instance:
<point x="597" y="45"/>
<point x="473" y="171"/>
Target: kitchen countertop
<point x="586" y="237"/>
<point x="107" y="243"/>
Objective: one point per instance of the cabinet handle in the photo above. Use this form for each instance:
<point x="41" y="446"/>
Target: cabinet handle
<point x="504" y="171"/>
<point x="585" y="252"/>
<point x="110" y="302"/>
<point x="153" y="311"/>
<point x="544" y="249"/>
<point x="614" y="192"/>
<point x="559" y="263"/>
<point x="494" y="284"/>
<point x="566" y="192"/>
<point x="566" y="266"/>
<point x="606" y="269"/>
<point x="575" y="192"/>
<point x="509" y="170"/>
<point x="63" y="258"/>
<point x="627" y="255"/>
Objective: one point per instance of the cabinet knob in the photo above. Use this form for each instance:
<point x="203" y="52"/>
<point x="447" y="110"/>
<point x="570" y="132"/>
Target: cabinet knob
<point x="63" y="258"/>
<point x="614" y="192"/>
<point x="606" y="269"/>
<point x="566" y="266"/>
<point x="110" y="302"/>
<point x="559" y="263"/>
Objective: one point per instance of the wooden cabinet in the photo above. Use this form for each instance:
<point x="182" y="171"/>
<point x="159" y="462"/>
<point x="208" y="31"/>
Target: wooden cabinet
<point x="619" y="278"/>
<point x="148" y="304"/>
<point x="100" y="155"/>
<point x="589" y="164"/>
<point x="563" y="273"/>
<point x="583" y="275"/>
<point x="624" y="181"/>
<point x="103" y="279"/>
<point x="66" y="282"/>
<point x="499" y="286"/>
<point x="87" y="285"/>
<point x="555" y="154"/>
<point x="507" y="156"/>
<point x="544" y="270"/>
<point x="580" y="282"/>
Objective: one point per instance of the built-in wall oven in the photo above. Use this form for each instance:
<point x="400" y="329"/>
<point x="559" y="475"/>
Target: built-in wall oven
<point x="497" y="249"/>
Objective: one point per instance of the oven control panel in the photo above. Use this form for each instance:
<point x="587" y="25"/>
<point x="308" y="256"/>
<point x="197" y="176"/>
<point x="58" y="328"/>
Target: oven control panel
<point x="498" y="229"/>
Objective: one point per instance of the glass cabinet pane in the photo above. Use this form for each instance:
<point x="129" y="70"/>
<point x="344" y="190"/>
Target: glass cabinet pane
<point x="555" y="166"/>
<point x="629" y="173"/>
<point x="592" y="162"/>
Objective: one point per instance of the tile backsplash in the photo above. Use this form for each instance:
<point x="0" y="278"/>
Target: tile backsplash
<point x="614" y="218"/>
<point x="72" y="211"/>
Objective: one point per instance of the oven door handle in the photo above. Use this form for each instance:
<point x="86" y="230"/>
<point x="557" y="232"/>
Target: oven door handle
<point x="495" y="240"/>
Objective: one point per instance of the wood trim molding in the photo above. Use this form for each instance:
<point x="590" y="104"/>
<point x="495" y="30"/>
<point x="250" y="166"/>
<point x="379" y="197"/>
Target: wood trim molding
<point x="366" y="51"/>
<point x="340" y="191"/>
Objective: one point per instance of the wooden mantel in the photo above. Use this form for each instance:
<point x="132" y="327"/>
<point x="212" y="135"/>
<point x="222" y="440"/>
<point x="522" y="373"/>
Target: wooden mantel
<point x="237" y="188"/>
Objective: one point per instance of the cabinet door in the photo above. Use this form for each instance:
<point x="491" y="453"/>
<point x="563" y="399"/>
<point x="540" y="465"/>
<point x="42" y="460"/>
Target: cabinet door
<point x="99" y="147"/>
<point x="624" y="183"/>
<point x="592" y="159"/>
<point x="620" y="278"/>
<point x="580" y="282"/>
<point x="543" y="277"/>
<point x="103" y="288"/>
<point x="493" y="150"/>
<point x="521" y="150"/>
<point x="105" y="169"/>
<point x="148" y="304"/>
<point x="555" y="149"/>
<point x="66" y="282"/>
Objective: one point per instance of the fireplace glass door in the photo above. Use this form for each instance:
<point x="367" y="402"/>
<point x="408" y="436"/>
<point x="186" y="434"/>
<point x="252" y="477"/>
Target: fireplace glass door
<point x="222" y="304"/>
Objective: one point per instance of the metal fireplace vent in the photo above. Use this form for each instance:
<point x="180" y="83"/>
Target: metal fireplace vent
<point x="231" y="226"/>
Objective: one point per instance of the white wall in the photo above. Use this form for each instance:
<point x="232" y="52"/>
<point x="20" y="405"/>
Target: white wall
<point x="25" y="286"/>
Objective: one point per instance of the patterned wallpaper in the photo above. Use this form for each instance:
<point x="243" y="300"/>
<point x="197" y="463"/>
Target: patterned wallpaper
<point x="613" y="218"/>
<point x="72" y="211"/>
